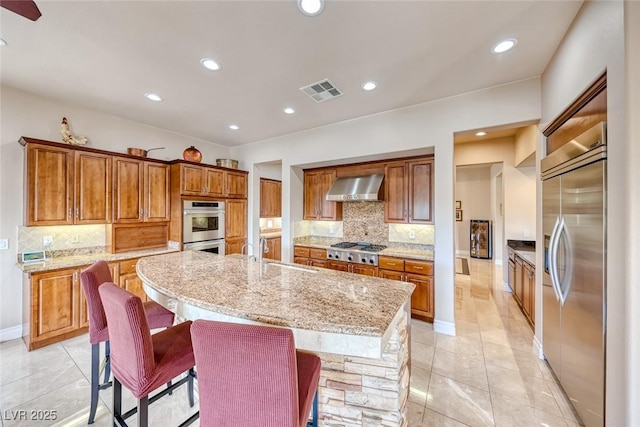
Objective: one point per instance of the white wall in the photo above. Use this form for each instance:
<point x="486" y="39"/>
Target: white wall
<point x="420" y="127"/>
<point x="26" y="114"/>
<point x="632" y="335"/>
<point x="595" y="42"/>
<point x="473" y="190"/>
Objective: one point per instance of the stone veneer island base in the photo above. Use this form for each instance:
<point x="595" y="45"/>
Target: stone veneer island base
<point x="359" y="326"/>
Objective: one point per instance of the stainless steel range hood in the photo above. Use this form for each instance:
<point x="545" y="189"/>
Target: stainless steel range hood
<point x="354" y="188"/>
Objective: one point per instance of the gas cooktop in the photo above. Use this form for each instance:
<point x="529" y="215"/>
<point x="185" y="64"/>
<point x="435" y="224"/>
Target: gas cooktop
<point x="359" y="253"/>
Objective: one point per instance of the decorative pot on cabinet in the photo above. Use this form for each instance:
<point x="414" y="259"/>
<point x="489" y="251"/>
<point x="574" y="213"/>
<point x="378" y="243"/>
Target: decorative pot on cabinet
<point x="192" y="154"/>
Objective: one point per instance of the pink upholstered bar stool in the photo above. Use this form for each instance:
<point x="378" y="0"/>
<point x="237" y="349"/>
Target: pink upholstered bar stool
<point x="143" y="362"/>
<point x="252" y="376"/>
<point x="158" y="316"/>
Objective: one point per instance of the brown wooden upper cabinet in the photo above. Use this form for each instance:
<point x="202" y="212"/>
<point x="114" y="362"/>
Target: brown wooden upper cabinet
<point x="235" y="225"/>
<point x="409" y="192"/>
<point x="316" y="185"/>
<point x="141" y="191"/>
<point x="270" y="198"/>
<point x="208" y="181"/>
<point x="65" y="186"/>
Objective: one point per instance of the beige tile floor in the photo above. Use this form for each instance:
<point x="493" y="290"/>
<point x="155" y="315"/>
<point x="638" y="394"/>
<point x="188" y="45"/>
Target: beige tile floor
<point x="486" y="375"/>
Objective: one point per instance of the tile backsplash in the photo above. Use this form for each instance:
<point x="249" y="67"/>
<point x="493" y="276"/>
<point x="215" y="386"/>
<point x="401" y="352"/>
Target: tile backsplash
<point x="364" y="221"/>
<point x="64" y="237"/>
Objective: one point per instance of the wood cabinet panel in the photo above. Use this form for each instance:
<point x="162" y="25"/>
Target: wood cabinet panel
<point x="156" y="192"/>
<point x="270" y="198"/>
<point x="191" y="180"/>
<point x="236" y="219"/>
<point x="409" y="192"/>
<point x="395" y="193"/>
<point x="128" y="185"/>
<point x="422" y="297"/>
<point x="417" y="272"/>
<point x="318" y="263"/>
<point x="132" y="283"/>
<point x="234" y="246"/>
<point x="93" y="188"/>
<point x="390" y="274"/>
<point x="54" y="303"/>
<point x="388" y="263"/>
<point x="316" y="185"/>
<point x="519" y="282"/>
<point x="275" y="248"/>
<point x="301" y="251"/>
<point x="49" y="185"/>
<point x="317" y="253"/>
<point x="367" y="270"/>
<point x="337" y="265"/>
<point x="420" y="191"/>
<point x="236" y="184"/>
<point x="213" y="182"/>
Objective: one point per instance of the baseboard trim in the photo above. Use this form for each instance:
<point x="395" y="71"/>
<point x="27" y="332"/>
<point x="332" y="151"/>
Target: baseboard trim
<point x="498" y="262"/>
<point x="462" y="253"/>
<point x="447" y="328"/>
<point x="12" y="333"/>
<point x="537" y="346"/>
<point x="506" y="287"/>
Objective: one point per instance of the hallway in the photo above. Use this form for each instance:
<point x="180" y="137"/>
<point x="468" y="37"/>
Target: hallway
<point x="488" y="374"/>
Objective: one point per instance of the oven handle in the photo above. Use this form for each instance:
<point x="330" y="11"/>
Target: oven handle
<point x="193" y="212"/>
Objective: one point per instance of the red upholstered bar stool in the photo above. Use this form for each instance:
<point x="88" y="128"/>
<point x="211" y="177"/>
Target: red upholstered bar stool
<point x="158" y="316"/>
<point x="143" y="362"/>
<point x="253" y="376"/>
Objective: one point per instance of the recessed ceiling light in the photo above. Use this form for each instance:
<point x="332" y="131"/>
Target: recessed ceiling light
<point x="153" y="97"/>
<point x="311" y="7"/>
<point x="504" y="45"/>
<point x="2" y="42"/>
<point x="370" y="85"/>
<point x="289" y="110"/>
<point x="481" y="133"/>
<point x="210" y="64"/>
<point x="234" y="127"/>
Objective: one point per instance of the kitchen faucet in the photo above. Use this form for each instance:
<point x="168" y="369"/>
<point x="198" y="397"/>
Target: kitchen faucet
<point x="263" y="248"/>
<point x="247" y="245"/>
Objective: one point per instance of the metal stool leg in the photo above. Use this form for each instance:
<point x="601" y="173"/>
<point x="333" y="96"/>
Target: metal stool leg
<point x="107" y="356"/>
<point x="191" y="374"/>
<point x="95" y="381"/>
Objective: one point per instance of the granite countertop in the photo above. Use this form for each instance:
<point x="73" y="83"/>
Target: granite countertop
<point x="277" y="293"/>
<point x="87" y="259"/>
<point x="271" y="234"/>
<point x="528" y="256"/>
<point x="400" y="252"/>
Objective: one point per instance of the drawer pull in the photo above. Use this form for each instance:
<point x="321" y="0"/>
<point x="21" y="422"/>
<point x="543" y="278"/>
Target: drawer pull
<point x="418" y="268"/>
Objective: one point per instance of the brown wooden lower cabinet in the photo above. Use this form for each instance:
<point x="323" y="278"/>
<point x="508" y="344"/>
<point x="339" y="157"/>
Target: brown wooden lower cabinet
<point x="420" y="273"/>
<point x="58" y="308"/>
<point x="234" y="246"/>
<point x="522" y="281"/>
<point x="310" y="256"/>
<point x="275" y="248"/>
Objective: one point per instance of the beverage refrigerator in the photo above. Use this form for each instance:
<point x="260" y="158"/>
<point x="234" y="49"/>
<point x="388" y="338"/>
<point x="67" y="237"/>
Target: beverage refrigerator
<point x="481" y="243"/>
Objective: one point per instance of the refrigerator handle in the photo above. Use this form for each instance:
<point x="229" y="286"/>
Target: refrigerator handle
<point x="553" y="260"/>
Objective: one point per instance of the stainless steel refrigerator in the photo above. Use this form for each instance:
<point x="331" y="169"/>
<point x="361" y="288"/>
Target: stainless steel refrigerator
<point x="574" y="281"/>
<point x="480" y="245"/>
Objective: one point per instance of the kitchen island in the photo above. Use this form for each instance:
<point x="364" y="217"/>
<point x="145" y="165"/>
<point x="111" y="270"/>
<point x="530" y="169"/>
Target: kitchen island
<point x="358" y="325"/>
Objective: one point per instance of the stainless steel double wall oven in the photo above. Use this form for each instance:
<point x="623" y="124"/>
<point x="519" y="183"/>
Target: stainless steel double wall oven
<point x="203" y="226"/>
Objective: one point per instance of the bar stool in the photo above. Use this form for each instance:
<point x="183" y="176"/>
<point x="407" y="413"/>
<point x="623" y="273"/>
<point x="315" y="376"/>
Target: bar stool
<point x="158" y="316"/>
<point x="252" y="376"/>
<point x="141" y="361"/>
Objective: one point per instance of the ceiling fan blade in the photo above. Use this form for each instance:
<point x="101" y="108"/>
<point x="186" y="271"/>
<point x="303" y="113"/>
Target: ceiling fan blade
<point x="26" y="8"/>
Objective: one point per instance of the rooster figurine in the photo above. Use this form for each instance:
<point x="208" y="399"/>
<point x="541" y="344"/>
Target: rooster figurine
<point x="68" y="137"/>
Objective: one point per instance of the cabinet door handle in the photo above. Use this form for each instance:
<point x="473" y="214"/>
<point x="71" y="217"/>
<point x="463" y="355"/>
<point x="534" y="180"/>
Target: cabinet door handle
<point x="77" y="212"/>
<point x="70" y="213"/>
<point x="141" y="213"/>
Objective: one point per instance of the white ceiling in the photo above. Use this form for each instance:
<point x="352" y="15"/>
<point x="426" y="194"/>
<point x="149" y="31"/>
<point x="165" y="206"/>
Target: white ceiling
<point x="104" y="55"/>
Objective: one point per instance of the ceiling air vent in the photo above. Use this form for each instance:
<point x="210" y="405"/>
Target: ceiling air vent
<point x="322" y="91"/>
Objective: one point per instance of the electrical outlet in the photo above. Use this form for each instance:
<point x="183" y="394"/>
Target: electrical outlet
<point x="525" y="233"/>
<point x="331" y="230"/>
<point x="47" y="241"/>
<point x="4" y="244"/>
<point x="412" y="234"/>
<point x="75" y="238"/>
